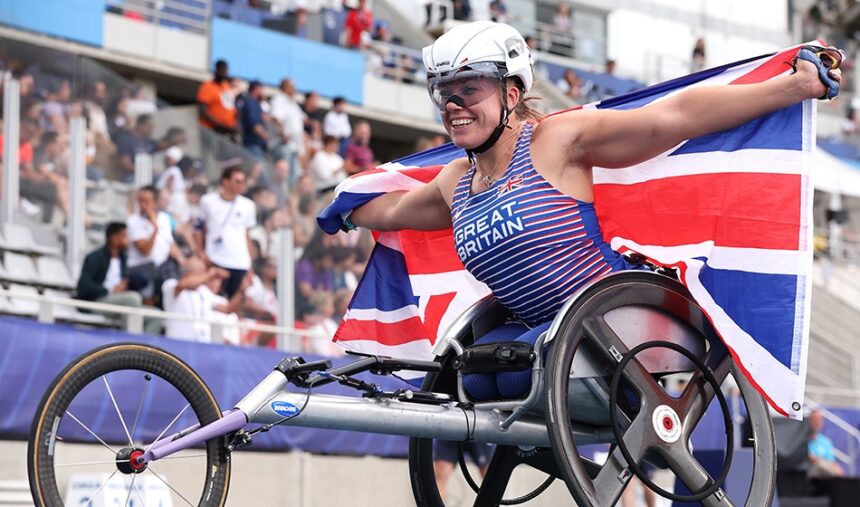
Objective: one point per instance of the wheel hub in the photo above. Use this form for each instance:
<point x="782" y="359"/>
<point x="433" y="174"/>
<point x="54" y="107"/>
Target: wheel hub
<point x="666" y="424"/>
<point x="127" y="461"/>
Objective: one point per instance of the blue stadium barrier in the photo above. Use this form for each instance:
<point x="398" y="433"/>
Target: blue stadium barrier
<point x="77" y="20"/>
<point x="258" y="53"/>
<point x="32" y="353"/>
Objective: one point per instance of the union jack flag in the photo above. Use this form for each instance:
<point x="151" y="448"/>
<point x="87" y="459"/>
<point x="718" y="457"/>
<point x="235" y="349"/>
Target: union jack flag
<point x="731" y="210"/>
<point x="512" y="183"/>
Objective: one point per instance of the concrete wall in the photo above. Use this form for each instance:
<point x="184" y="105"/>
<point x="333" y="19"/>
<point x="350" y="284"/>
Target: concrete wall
<point x="306" y="480"/>
<point x="155" y="42"/>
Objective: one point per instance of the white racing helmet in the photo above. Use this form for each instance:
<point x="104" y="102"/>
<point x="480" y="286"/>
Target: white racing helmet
<point x="464" y="46"/>
<point x="478" y="49"/>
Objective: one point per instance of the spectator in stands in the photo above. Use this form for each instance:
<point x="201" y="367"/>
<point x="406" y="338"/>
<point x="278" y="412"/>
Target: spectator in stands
<point x="357" y="26"/>
<point x="172" y="156"/>
<point x="336" y="122"/>
<point x="327" y="166"/>
<point x="226" y="216"/>
<point x="255" y="136"/>
<point x="570" y="85"/>
<point x="697" y="62"/>
<point x="197" y="294"/>
<point x="562" y="36"/>
<point x="195" y="194"/>
<point x="462" y="10"/>
<point x="55" y="107"/>
<point x="95" y="102"/>
<point x="35" y="183"/>
<point x="104" y="278"/>
<point x="150" y="234"/>
<point x="315" y="271"/>
<point x="321" y="326"/>
<point x="140" y="102"/>
<point x="313" y="120"/>
<point x="609" y="68"/>
<point x="261" y="301"/>
<point x="358" y="155"/>
<point x="290" y="123"/>
<point x="498" y="11"/>
<point x="175" y="179"/>
<point x="216" y="102"/>
<point x="821" y="450"/>
<point x="129" y="144"/>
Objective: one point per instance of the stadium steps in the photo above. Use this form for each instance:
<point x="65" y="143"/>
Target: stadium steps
<point x="834" y="360"/>
<point x="15" y="494"/>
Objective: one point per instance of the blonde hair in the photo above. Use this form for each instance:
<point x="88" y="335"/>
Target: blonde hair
<point x="524" y="109"/>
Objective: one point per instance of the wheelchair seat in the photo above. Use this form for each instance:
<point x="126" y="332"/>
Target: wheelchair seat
<point x="503" y="384"/>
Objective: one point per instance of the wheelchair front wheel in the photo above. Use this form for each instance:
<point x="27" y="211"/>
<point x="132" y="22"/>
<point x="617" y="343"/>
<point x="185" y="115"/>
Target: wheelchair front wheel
<point x="614" y="317"/>
<point x="102" y="399"/>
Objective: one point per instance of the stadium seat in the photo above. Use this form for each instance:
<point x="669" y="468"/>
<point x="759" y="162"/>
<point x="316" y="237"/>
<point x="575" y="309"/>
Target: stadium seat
<point x="19" y="268"/>
<point x="19" y="238"/>
<point x="70" y="313"/>
<point x="21" y="306"/>
<point x="53" y="272"/>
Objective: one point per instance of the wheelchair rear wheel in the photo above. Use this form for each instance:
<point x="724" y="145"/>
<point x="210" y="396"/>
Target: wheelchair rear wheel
<point x="614" y="317"/>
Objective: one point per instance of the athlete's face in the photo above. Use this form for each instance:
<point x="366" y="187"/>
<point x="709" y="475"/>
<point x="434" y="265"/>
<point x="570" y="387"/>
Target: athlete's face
<point x="470" y="120"/>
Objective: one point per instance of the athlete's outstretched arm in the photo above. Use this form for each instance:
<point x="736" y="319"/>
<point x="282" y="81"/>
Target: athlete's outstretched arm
<point x="423" y="208"/>
<point x="608" y="138"/>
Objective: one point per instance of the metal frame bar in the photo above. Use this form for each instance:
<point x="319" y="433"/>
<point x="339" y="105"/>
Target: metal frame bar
<point x="11" y="137"/>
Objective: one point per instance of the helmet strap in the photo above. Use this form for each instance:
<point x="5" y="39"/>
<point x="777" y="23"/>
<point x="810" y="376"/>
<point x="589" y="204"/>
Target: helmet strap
<point x="504" y="117"/>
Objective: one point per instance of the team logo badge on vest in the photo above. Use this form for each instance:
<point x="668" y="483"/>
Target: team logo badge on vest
<point x="513" y="183"/>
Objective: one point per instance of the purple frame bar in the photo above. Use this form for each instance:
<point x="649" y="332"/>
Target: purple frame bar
<point x="231" y="421"/>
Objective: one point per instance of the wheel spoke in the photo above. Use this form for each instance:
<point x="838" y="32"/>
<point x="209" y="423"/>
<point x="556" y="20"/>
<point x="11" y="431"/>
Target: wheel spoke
<point x="693" y="474"/>
<point x="118" y="413"/>
<point x="615" y="473"/>
<point x="139" y="494"/>
<point x="84" y="426"/>
<point x="163" y="480"/>
<point x="96" y="494"/>
<point x="614" y="350"/>
<point x="167" y="428"/>
<point x="128" y="497"/>
<point x="140" y="405"/>
<point x="498" y="474"/>
<point x="698" y="393"/>
<point x="89" y="463"/>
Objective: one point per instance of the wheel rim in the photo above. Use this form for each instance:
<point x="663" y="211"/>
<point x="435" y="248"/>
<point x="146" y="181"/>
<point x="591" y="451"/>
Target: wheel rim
<point x="99" y="418"/>
<point x="505" y="459"/>
<point x="585" y="324"/>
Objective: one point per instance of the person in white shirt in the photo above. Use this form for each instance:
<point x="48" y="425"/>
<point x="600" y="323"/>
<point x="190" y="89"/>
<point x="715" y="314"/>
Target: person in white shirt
<point x="173" y="180"/>
<point x="290" y="119"/>
<point x="196" y="295"/>
<point x="150" y="235"/>
<point x="336" y="121"/>
<point x="260" y="299"/>
<point x="226" y="218"/>
<point x="327" y="165"/>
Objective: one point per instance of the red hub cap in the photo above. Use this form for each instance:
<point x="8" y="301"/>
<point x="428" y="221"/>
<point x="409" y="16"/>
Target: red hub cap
<point x="667" y="423"/>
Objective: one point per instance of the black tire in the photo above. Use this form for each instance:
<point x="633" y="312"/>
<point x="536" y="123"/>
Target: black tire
<point x="127" y="358"/>
<point x="584" y="330"/>
<point x="422" y="474"/>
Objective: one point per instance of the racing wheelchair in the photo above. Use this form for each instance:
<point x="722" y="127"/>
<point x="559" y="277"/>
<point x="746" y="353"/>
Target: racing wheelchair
<point x="595" y="379"/>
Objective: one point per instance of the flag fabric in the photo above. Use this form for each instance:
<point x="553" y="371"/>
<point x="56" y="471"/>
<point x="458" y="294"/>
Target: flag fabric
<point x="731" y="210"/>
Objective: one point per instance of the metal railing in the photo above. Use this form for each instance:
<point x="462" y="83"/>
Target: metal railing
<point x="190" y="15"/>
<point x="395" y="62"/>
<point x="288" y="338"/>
